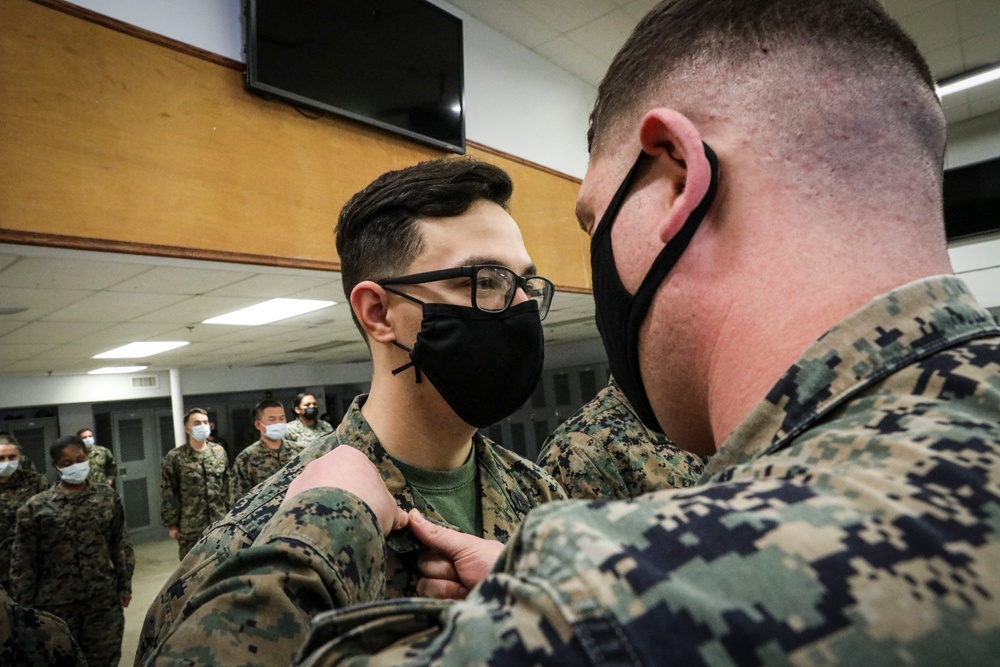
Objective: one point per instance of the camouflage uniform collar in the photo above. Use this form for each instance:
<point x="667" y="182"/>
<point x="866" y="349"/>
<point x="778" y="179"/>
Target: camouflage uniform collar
<point x="891" y="331"/>
<point x="503" y="504"/>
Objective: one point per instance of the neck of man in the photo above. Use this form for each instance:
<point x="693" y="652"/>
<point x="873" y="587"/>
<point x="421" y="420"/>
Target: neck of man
<point x="270" y="444"/>
<point x="72" y="488"/>
<point x="414" y="424"/>
<point x="197" y="446"/>
<point x="783" y="289"/>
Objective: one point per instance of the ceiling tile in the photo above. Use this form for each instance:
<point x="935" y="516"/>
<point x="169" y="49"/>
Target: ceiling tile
<point x="978" y="17"/>
<point x="6" y="260"/>
<point x="507" y="18"/>
<point x="574" y="59"/>
<point x="40" y="302"/>
<point x="272" y="286"/>
<point x="979" y="51"/>
<point x="113" y="307"/>
<point x="639" y="8"/>
<point x="934" y="27"/>
<point x="957" y="113"/>
<point x="980" y="107"/>
<point x="63" y="273"/>
<point x="52" y="333"/>
<point x="946" y="62"/>
<point x="566" y="15"/>
<point x="130" y="332"/>
<point x="11" y="352"/>
<point x="197" y="309"/>
<point x="176" y="280"/>
<point x="605" y="35"/>
<point x="903" y="8"/>
<point x="985" y="286"/>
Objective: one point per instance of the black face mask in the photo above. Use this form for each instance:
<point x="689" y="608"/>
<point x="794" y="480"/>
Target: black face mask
<point x="619" y="314"/>
<point x="310" y="413"/>
<point x="484" y="365"/>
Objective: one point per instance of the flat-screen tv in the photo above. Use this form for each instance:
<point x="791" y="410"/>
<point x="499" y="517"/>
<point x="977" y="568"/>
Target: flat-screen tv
<point x="395" y="64"/>
<point x="972" y="199"/>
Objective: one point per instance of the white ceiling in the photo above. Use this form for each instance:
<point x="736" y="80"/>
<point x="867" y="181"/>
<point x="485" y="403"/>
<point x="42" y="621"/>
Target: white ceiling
<point x="82" y="303"/>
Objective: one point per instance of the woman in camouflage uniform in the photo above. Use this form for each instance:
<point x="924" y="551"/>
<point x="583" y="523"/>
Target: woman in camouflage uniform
<point x="72" y="556"/>
<point x="17" y="483"/>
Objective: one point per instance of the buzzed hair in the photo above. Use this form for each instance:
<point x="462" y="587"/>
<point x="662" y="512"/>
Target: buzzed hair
<point x="798" y="60"/>
<point x="258" y="410"/>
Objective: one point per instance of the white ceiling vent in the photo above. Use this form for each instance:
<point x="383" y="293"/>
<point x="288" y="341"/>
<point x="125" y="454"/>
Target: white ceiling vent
<point x="145" y="381"/>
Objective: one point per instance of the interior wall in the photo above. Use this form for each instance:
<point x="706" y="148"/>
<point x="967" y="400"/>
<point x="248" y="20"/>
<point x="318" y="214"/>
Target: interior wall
<point x="113" y="142"/>
<point x="516" y="101"/>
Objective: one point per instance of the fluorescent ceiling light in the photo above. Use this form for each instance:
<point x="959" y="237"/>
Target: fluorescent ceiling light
<point x="966" y="81"/>
<point x="270" y="311"/>
<point x="117" y="369"/>
<point x="141" y="349"/>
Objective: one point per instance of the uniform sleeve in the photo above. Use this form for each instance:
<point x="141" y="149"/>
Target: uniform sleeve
<point x="111" y="467"/>
<point x="170" y="501"/>
<point x="239" y="479"/>
<point x="322" y="551"/>
<point x="40" y="483"/>
<point x="25" y="556"/>
<point x="30" y="638"/>
<point x="120" y="547"/>
<point x="568" y="458"/>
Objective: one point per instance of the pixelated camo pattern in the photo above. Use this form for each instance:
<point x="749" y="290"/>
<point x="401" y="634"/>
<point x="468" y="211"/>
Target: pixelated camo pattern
<point x="31" y="638"/>
<point x="304" y="435"/>
<point x="604" y="451"/>
<point x="258" y="462"/>
<point x="102" y="465"/>
<point x="23" y="484"/>
<point x="194" y="488"/>
<point x="71" y="548"/>
<point x="852" y="518"/>
<point x="510" y="487"/>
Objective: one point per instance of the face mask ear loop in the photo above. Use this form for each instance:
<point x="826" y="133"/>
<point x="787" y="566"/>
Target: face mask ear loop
<point x="405" y="366"/>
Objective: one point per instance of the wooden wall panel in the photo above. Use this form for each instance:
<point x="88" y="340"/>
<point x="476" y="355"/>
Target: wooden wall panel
<point x="113" y="142"/>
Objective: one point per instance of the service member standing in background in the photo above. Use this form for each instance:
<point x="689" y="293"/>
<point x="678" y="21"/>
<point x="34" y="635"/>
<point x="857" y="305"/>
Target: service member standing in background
<point x="17" y="484"/>
<point x="308" y="427"/>
<point x="604" y="451"/>
<point x="269" y="454"/>
<point x="194" y="483"/>
<point x="103" y="469"/>
<point x="72" y="555"/>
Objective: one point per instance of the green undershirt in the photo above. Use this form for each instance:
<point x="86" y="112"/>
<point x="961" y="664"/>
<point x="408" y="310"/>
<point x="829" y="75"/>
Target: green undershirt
<point x="454" y="494"/>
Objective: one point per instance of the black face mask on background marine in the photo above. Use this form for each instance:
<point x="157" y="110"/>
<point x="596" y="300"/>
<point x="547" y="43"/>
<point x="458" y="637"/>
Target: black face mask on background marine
<point x="620" y="314"/>
<point x="484" y="365"/>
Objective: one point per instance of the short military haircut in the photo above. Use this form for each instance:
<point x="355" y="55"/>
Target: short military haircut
<point x="80" y="433"/>
<point x="56" y="450"/>
<point x="786" y="54"/>
<point x="193" y="411"/>
<point x="258" y="410"/>
<point x="376" y="233"/>
<point x="301" y="397"/>
<point x="9" y="439"/>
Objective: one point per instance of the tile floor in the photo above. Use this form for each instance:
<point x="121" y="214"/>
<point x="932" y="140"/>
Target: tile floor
<point x="154" y="562"/>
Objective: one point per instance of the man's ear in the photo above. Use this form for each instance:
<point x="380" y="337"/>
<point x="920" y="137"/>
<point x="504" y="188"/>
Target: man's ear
<point x="675" y="143"/>
<point x="368" y="301"/>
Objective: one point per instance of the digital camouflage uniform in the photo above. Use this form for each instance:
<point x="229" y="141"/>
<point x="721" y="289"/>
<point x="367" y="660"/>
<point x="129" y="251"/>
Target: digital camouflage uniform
<point x="13" y="493"/>
<point x="194" y="491"/>
<point x="258" y="462"/>
<point x="73" y="558"/>
<point x="850" y="518"/>
<point x="304" y="435"/>
<point x="509" y="487"/>
<point x="103" y="468"/>
<point x="605" y="451"/>
<point x="32" y="638"/>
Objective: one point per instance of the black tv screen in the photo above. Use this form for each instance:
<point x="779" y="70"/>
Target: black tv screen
<point x="972" y="199"/>
<point x="395" y="64"/>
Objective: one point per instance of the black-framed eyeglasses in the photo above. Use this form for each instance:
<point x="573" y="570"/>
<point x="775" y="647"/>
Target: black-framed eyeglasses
<point x="492" y="286"/>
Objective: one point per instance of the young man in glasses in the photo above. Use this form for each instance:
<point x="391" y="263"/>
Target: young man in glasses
<point x="445" y="294"/>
